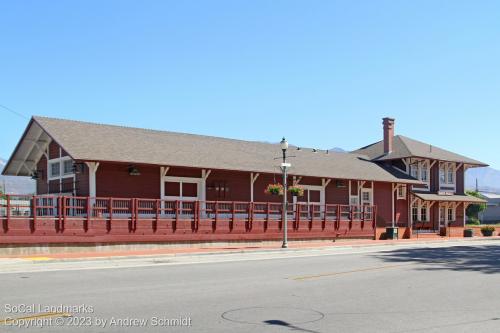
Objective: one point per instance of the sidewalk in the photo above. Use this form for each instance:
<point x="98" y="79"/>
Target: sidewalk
<point x="81" y="253"/>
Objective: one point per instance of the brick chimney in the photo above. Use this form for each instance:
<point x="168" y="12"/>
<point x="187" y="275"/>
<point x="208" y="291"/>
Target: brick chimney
<point x="388" y="134"/>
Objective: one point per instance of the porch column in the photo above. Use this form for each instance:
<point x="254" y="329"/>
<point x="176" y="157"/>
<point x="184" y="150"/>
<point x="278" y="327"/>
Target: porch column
<point x="92" y="178"/>
<point x="163" y="173"/>
<point x="324" y="184"/>
<point x="253" y="178"/>
<point x="203" y="190"/>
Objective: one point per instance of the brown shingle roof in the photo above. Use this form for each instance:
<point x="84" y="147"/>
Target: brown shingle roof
<point x="96" y="142"/>
<point x="405" y="147"/>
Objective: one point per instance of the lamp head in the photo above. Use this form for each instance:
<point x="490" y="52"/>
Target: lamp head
<point x="284" y="144"/>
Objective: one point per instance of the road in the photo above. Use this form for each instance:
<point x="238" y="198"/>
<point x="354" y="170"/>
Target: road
<point x="427" y="288"/>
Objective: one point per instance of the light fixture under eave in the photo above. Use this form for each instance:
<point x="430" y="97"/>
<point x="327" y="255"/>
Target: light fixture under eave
<point x="133" y="171"/>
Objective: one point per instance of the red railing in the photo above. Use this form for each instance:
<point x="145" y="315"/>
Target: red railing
<point x="208" y="214"/>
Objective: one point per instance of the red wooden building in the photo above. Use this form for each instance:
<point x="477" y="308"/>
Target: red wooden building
<point x="94" y="174"/>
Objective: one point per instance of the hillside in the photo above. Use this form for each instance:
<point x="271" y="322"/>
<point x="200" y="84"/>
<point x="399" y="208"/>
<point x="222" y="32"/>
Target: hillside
<point x="488" y="179"/>
<point x="16" y="185"/>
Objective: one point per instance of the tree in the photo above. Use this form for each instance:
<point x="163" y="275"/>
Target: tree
<point x="474" y="209"/>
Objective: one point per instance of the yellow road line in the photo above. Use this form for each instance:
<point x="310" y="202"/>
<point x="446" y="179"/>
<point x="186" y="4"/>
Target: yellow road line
<point x="309" y="277"/>
<point x="38" y="258"/>
<point x="40" y="315"/>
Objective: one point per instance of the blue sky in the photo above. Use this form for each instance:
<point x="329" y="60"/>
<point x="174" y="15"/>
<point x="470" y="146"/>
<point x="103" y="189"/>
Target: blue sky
<point x="323" y="73"/>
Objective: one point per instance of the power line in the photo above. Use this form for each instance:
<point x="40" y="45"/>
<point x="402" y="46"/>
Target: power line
<point x="13" y="112"/>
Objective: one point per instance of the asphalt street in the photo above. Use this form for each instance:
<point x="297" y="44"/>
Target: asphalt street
<point x="427" y="288"/>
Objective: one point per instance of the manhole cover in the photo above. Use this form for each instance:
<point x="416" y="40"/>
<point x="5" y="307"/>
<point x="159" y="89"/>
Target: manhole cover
<point x="271" y="315"/>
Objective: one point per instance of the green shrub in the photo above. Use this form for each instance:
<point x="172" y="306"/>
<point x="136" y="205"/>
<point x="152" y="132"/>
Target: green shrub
<point x="473" y="221"/>
<point x="488" y="228"/>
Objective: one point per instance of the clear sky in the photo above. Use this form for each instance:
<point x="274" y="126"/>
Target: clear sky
<point x="322" y="73"/>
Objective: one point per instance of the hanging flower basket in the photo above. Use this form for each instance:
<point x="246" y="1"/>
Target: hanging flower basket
<point x="274" y="189"/>
<point x="296" y="191"/>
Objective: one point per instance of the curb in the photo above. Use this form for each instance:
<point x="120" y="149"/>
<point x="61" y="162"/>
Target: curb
<point x="249" y="251"/>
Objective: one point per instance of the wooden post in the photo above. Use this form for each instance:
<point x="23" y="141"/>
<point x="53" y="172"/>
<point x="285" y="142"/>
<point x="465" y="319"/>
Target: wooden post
<point x="297" y="215"/>
<point x="233" y="208"/>
<point x="110" y="208"/>
<point x="63" y="199"/>
<point x="324" y="215"/>
<point x="157" y="212"/>
<point x="338" y="216"/>
<point x="250" y="214"/>
<point x="136" y="212"/>
<point x="34" y="208"/>
<point x="216" y="213"/>
<point x="89" y="212"/>
<point x="59" y="209"/>
<point x="132" y="214"/>
<point x="197" y="214"/>
<point x="176" y="212"/>
<point x="8" y="210"/>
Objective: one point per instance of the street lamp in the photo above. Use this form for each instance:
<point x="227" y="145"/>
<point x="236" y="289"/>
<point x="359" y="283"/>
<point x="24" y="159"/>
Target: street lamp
<point x="284" y="166"/>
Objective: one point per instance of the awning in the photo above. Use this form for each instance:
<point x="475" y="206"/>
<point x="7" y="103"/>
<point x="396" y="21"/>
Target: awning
<point x="448" y="197"/>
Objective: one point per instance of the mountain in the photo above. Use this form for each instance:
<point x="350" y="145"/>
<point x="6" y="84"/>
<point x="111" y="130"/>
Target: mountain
<point x="15" y="185"/>
<point x="488" y="179"/>
<point x="338" y="150"/>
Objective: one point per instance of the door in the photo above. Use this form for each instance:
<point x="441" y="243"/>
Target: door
<point x="310" y="203"/>
<point x="183" y="189"/>
<point x="442" y="216"/>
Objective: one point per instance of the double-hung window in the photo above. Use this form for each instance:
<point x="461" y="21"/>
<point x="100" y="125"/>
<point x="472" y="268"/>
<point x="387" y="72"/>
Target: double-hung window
<point x="423" y="173"/>
<point x="55" y="169"/>
<point x="442" y="176"/>
<point x="402" y="192"/>
<point x="451" y="214"/>
<point x="67" y="167"/>
<point x="451" y="177"/>
<point x="423" y="213"/>
<point x="414" y="171"/>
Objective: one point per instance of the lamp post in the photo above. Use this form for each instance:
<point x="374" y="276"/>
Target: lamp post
<point x="284" y="166"/>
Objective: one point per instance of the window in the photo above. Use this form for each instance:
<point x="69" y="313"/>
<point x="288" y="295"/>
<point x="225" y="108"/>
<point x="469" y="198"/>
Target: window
<point x="354" y="200"/>
<point x="414" y="212"/>
<point x="366" y="196"/>
<point x="55" y="169"/>
<point x="447" y="174"/>
<point x="442" y="177"/>
<point x="451" y="214"/>
<point x="442" y="213"/>
<point x="402" y="192"/>
<point x="414" y="171"/>
<point x="68" y="167"/>
<point x="423" y="213"/>
<point x="451" y="176"/>
<point x="423" y="173"/>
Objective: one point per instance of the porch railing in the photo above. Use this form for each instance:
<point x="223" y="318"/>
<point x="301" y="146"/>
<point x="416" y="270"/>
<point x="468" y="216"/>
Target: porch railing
<point x="62" y="208"/>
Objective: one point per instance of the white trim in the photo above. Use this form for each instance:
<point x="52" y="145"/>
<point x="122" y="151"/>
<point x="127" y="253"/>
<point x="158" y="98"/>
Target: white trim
<point x="93" y="166"/>
<point x="200" y="182"/>
<point x="366" y="190"/>
<point x="403" y="194"/>
<point x="253" y="178"/>
<point x="319" y="188"/>
<point x="419" y="164"/>
<point x="421" y="204"/>
<point x="61" y="161"/>
<point x="446" y="167"/>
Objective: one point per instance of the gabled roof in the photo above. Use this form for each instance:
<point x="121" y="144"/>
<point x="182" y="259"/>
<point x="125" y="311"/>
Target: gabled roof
<point x="404" y="147"/>
<point x="96" y="142"/>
